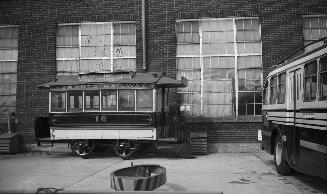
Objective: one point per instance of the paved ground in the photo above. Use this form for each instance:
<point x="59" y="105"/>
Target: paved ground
<point x="226" y="172"/>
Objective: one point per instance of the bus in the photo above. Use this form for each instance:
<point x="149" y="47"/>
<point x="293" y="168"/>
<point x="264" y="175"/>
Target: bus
<point x="295" y="114"/>
<point x="123" y="110"/>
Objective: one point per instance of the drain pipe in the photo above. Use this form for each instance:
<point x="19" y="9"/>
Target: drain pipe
<point x="143" y="35"/>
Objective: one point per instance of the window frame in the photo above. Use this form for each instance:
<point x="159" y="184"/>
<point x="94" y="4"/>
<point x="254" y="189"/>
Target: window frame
<point x="310" y="77"/>
<point x="105" y="63"/>
<point x="320" y="77"/>
<point x="281" y="99"/>
<point x="190" y="95"/>
<point x="8" y="78"/>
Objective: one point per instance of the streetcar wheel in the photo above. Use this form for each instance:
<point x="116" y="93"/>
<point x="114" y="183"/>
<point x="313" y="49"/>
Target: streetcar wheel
<point x="83" y="149"/>
<point x="281" y="164"/>
<point x="125" y="149"/>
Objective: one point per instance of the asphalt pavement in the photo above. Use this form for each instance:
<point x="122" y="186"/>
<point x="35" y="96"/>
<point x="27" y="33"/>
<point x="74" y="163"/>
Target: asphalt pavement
<point x="223" y="172"/>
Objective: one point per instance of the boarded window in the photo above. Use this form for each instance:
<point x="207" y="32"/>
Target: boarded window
<point x="323" y="78"/>
<point x="8" y="71"/>
<point x="314" y="28"/>
<point x="310" y="81"/>
<point x="208" y="51"/>
<point x="96" y="47"/>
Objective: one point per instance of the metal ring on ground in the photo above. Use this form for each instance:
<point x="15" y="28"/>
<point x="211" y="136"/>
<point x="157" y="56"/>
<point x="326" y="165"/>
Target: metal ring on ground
<point x="138" y="178"/>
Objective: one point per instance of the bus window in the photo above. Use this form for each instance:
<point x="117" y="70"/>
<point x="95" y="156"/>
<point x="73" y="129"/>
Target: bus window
<point x="273" y="90"/>
<point x="310" y="81"/>
<point x="265" y="93"/>
<point x="92" y="100"/>
<point x="75" y="101"/>
<point x="109" y="100"/>
<point x="323" y="78"/>
<point x="126" y="100"/>
<point x="281" y="88"/>
<point x="144" y="100"/>
<point x="58" y="101"/>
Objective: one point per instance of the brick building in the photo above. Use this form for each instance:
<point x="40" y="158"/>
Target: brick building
<point x="224" y="48"/>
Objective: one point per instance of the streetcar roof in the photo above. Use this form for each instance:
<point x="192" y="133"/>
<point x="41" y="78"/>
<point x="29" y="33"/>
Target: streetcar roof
<point x="305" y="57"/>
<point x="153" y="78"/>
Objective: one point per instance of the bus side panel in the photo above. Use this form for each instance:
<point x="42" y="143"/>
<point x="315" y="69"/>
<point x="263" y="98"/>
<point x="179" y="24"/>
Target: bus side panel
<point x="312" y="152"/>
<point x="266" y="139"/>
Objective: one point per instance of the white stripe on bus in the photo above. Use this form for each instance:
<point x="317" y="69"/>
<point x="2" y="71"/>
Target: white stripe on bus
<point x="315" y="115"/>
<point x="312" y="122"/>
<point x="311" y="127"/>
<point x="288" y="120"/>
<point x="314" y="146"/>
<point x="299" y="115"/>
<point x="283" y="123"/>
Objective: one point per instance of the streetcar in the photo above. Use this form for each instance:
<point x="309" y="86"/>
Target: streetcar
<point x="295" y="114"/>
<point x="125" y="110"/>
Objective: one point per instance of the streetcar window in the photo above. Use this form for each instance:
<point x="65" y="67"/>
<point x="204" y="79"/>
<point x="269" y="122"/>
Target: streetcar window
<point x="126" y="100"/>
<point x="144" y="100"/>
<point x="92" y="100"/>
<point x="58" y="101"/>
<point x="273" y="90"/>
<point x="109" y="100"/>
<point x="281" y="88"/>
<point x="310" y="81"/>
<point x="323" y="78"/>
<point x="75" y="101"/>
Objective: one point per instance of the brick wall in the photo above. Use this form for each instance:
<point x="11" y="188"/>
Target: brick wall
<point x="281" y="32"/>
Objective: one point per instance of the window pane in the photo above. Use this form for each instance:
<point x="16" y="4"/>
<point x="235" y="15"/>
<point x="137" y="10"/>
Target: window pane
<point x="323" y="86"/>
<point x="58" y="101"/>
<point x="75" y="101"/>
<point x="323" y="78"/>
<point x="144" y="100"/>
<point x="310" y="71"/>
<point x="282" y="88"/>
<point x="126" y="100"/>
<point x="92" y="100"/>
<point x="109" y="100"/>
<point x="273" y="90"/>
<point x="258" y="108"/>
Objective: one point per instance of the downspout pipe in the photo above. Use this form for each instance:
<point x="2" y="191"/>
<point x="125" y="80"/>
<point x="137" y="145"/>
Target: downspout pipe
<point x="143" y="35"/>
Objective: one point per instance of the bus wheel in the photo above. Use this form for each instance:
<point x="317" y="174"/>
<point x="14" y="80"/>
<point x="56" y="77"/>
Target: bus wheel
<point x="281" y="164"/>
<point x="125" y="149"/>
<point x="83" y="149"/>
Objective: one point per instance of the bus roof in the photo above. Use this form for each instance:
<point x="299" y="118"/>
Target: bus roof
<point x="300" y="59"/>
<point x="133" y="78"/>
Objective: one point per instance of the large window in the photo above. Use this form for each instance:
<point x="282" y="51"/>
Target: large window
<point x="8" y="70"/>
<point x="221" y="58"/>
<point x="95" y="47"/>
<point x="310" y="81"/>
<point x="323" y="78"/>
<point x="314" y="28"/>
